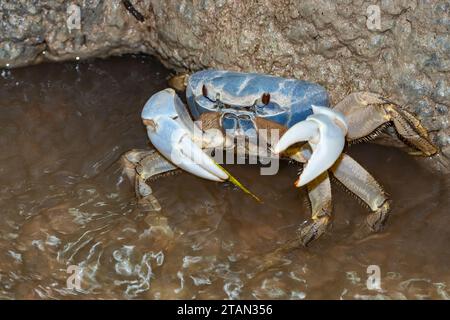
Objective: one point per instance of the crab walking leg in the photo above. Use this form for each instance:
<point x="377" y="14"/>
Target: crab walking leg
<point x="319" y="193"/>
<point x="130" y="160"/>
<point x="358" y="181"/>
<point x="411" y="130"/>
<point x="325" y="132"/>
<point x="141" y="165"/>
<point x="173" y="134"/>
<point x="367" y="113"/>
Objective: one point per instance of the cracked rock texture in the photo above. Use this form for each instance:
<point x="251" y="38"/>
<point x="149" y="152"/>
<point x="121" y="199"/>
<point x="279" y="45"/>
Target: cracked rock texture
<point x="329" y="42"/>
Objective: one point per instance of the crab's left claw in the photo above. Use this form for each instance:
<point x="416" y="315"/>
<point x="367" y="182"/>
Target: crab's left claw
<point x="325" y="132"/>
<point x="172" y="133"/>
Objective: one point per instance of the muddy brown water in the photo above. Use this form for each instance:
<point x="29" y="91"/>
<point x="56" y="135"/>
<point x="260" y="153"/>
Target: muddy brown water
<point x="63" y="202"/>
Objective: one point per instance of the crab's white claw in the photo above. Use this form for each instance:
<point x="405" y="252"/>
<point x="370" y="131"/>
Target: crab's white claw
<point x="303" y="131"/>
<point x="325" y="131"/>
<point x="171" y="132"/>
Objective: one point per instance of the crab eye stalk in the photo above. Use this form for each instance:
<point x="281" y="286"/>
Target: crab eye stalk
<point x="265" y="99"/>
<point x="204" y="91"/>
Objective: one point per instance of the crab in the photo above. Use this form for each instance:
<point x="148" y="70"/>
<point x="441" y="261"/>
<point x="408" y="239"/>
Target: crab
<point x="231" y="105"/>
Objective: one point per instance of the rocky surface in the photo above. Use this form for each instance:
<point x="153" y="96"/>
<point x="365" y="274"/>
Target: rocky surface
<point x="334" y="43"/>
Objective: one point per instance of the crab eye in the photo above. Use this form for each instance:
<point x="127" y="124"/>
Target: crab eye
<point x="265" y="99"/>
<point x="204" y="91"/>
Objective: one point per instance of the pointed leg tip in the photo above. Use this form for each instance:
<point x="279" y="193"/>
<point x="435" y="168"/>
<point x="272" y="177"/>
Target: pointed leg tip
<point x="377" y="219"/>
<point x="433" y="150"/>
<point x="429" y="151"/>
<point x="313" y="230"/>
<point x="297" y="183"/>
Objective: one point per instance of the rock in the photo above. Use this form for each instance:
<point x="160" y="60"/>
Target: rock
<point x="406" y="59"/>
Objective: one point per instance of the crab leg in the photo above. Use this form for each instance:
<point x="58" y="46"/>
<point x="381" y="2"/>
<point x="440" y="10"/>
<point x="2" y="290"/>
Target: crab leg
<point x="319" y="193"/>
<point x="325" y="132"/>
<point x="174" y="135"/>
<point x="358" y="181"/>
<point x="140" y="165"/>
<point x="367" y="113"/>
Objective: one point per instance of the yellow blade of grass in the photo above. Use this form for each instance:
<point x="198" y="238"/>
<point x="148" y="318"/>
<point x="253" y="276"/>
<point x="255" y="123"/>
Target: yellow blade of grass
<point x="234" y="181"/>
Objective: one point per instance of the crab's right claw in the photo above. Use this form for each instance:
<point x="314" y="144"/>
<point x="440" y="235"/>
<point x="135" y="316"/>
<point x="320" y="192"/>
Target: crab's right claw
<point x="325" y="132"/>
<point x="171" y="132"/>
